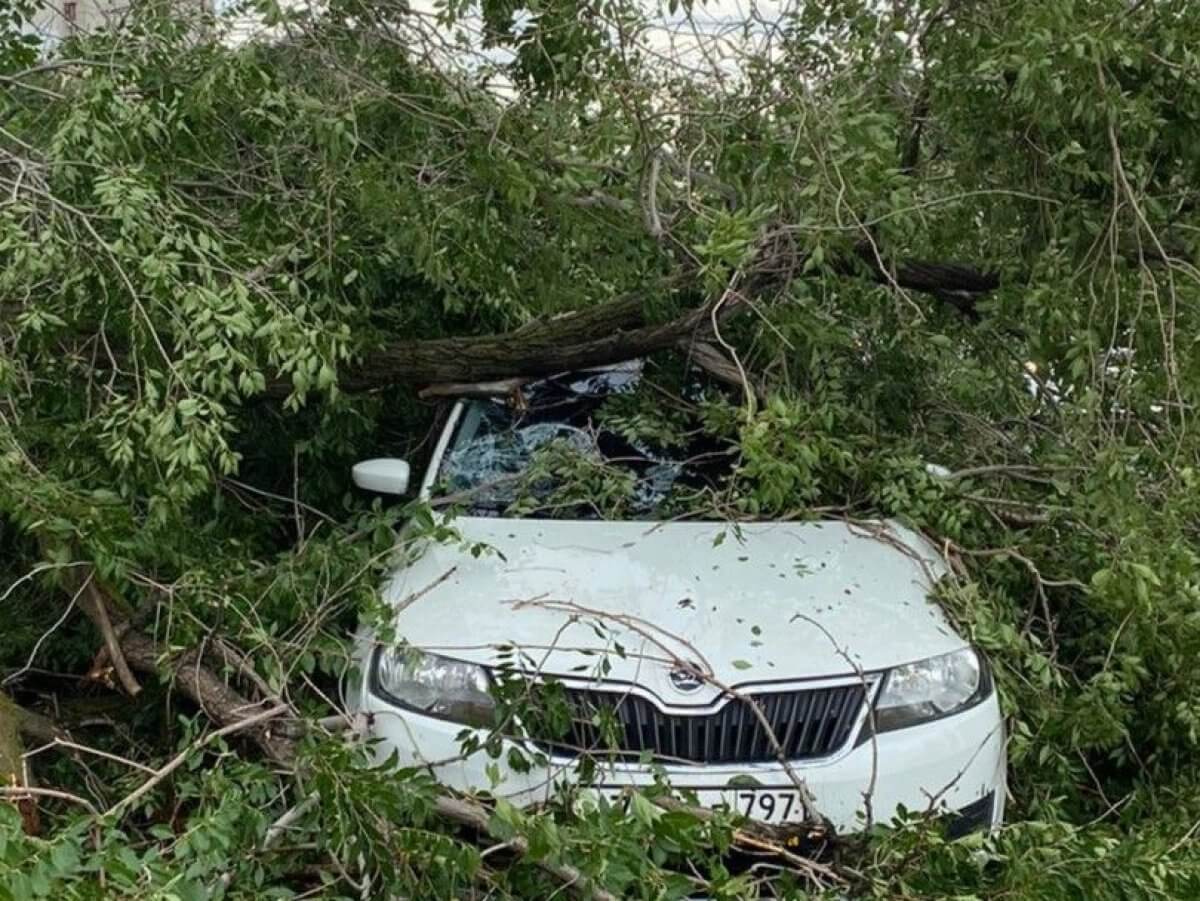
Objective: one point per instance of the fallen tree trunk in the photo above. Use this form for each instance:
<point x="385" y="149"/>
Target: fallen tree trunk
<point x="540" y="353"/>
<point x="616" y="330"/>
<point x="543" y="345"/>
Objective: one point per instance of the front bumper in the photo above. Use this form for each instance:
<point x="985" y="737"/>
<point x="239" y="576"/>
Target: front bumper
<point x="947" y="766"/>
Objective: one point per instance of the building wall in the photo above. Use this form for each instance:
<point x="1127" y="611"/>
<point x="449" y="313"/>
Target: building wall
<point x="58" y="19"/>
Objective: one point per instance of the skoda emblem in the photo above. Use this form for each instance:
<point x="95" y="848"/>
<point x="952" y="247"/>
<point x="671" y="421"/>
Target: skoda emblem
<point x="685" y="679"/>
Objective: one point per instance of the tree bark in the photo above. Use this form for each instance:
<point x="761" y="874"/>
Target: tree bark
<point x="544" y="351"/>
<point x="615" y="331"/>
<point x="13" y="771"/>
<point x="541" y="347"/>
<point x="220" y="702"/>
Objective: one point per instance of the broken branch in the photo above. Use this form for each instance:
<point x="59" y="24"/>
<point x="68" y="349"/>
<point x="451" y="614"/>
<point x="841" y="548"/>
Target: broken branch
<point x="181" y="758"/>
<point x="476" y="817"/>
<point x="191" y="677"/>
<point x="93" y="605"/>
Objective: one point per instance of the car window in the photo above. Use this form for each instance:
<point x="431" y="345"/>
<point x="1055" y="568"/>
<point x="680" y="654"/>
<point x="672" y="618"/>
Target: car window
<point x="524" y="460"/>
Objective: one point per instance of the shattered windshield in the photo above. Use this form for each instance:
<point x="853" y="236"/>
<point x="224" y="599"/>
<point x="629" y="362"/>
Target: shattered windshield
<point x="594" y="444"/>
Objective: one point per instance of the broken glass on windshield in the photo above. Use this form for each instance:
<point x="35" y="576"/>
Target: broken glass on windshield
<point x="560" y="455"/>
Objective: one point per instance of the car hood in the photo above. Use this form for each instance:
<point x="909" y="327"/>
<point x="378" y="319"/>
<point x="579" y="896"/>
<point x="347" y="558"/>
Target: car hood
<point x="750" y="603"/>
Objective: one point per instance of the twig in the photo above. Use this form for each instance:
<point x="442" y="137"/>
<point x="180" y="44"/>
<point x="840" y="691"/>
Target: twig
<point x="1017" y="513"/>
<point x="958" y="777"/>
<point x="1040" y="585"/>
<point x="276" y="831"/>
<point x="296" y="515"/>
<point x="243" y="666"/>
<point x="420" y="593"/>
<point x="62" y="64"/>
<point x="13" y="676"/>
<point x="181" y="758"/>
<point x="749" y="838"/>
<point x="867" y="686"/>
<point x="477" y="817"/>
<point x="112" y="641"/>
<point x="22" y="791"/>
<point x="58" y="742"/>
<point x="747" y="391"/>
<point x="277" y="497"/>
<point x="1016" y="470"/>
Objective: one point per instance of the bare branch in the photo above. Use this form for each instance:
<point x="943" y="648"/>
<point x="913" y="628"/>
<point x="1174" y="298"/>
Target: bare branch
<point x="653" y="220"/>
<point x="93" y="604"/>
<point x="181" y="758"/>
<point x="29" y="791"/>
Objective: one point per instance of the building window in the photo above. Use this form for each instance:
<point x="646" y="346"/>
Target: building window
<point x="70" y="12"/>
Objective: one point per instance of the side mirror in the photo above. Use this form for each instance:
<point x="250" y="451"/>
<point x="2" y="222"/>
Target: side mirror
<point x="384" y="475"/>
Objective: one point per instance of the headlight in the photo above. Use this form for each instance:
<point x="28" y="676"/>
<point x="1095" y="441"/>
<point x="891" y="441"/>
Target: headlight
<point x="929" y="689"/>
<point x="433" y="685"/>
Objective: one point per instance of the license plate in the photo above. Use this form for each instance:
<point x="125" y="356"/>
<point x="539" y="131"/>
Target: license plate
<point x="767" y="805"/>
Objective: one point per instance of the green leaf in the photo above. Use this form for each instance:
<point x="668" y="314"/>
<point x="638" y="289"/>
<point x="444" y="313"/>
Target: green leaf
<point x="644" y="811"/>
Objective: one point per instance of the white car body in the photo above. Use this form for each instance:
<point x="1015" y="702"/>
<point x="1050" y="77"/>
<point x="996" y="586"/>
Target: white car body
<point x="761" y="608"/>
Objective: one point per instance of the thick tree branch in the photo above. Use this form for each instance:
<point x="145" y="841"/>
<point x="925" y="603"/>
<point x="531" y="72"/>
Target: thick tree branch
<point x="928" y="277"/>
<point x="187" y="672"/>
<point x="219" y="701"/>
<point x="544" y="343"/>
<point x="507" y="355"/>
<point x="11" y="764"/>
<point x="710" y="358"/>
<point x="615" y="331"/>
<point x="38" y="727"/>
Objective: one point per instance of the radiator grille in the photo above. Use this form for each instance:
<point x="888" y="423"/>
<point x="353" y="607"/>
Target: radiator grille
<point x="807" y="723"/>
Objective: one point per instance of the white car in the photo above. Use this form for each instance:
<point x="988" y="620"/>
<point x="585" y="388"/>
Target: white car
<point x="766" y="666"/>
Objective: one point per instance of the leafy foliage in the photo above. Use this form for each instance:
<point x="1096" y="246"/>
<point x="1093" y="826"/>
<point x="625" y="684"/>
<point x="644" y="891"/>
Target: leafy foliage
<point x="199" y="242"/>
